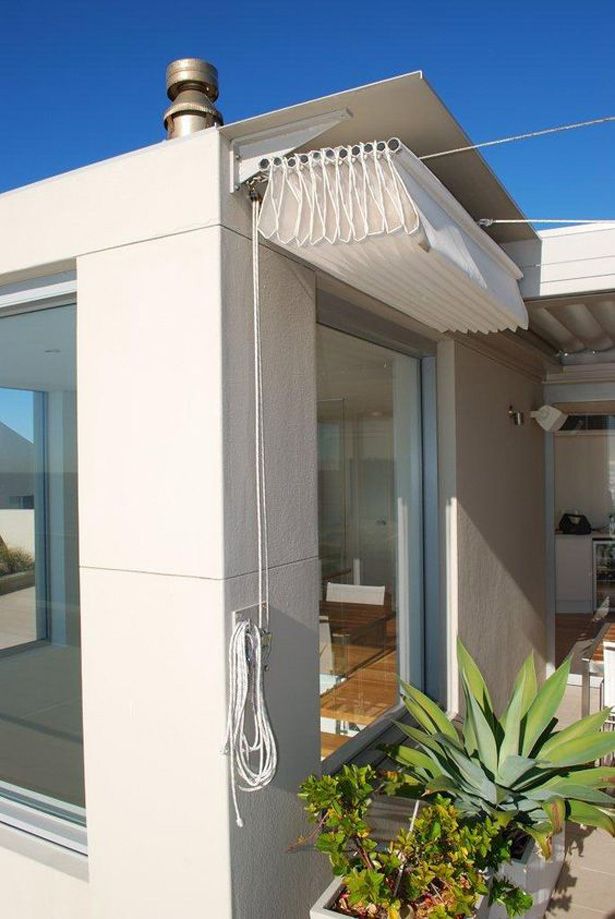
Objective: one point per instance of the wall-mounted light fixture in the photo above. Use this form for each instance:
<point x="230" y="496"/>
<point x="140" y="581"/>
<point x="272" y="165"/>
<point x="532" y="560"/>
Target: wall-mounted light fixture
<point x="517" y="418"/>
<point x="549" y="418"/>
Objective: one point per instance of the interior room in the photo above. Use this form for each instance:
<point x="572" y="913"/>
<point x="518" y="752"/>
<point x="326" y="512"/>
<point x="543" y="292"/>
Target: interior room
<point x="584" y="501"/>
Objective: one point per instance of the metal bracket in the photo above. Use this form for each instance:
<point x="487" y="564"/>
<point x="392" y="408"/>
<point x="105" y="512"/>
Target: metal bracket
<point x="250" y="614"/>
<point x="246" y="152"/>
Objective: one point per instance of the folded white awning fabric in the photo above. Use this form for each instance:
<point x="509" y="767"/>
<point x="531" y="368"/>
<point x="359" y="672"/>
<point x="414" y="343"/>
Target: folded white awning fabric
<point x="374" y="216"/>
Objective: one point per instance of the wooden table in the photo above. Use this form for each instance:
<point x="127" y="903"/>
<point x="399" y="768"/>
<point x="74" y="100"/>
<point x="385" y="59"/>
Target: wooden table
<point x="592" y="662"/>
<point x="358" y="633"/>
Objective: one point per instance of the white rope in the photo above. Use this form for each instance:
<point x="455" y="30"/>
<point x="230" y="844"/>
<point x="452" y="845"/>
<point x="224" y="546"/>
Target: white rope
<point x="507" y="140"/>
<point x="489" y="221"/>
<point x="253" y="762"/>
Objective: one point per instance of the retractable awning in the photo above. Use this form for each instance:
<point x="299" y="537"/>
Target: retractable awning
<point x="373" y="216"/>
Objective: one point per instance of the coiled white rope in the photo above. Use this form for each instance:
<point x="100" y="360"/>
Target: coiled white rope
<point x="253" y="761"/>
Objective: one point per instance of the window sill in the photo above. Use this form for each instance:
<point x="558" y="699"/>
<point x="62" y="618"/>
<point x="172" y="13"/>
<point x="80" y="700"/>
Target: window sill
<point x="51" y="831"/>
<point x="41" y="850"/>
<point x="363" y="748"/>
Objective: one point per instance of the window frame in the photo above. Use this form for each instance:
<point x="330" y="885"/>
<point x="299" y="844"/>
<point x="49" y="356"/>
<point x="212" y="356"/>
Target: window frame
<point x="54" y="822"/>
<point x="358" y="322"/>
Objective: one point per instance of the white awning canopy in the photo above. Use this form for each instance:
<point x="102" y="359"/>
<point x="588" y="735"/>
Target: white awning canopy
<point x="373" y="216"/>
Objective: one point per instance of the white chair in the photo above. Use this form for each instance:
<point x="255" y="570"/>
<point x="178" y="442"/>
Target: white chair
<point x="355" y="593"/>
<point x="608" y="690"/>
<point x="325" y="649"/>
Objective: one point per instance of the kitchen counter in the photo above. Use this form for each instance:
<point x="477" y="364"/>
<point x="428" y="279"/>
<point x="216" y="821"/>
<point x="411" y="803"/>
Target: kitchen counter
<point x="595" y="534"/>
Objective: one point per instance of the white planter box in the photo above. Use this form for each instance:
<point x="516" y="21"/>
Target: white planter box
<point x="535" y="874"/>
<point x="321" y="910"/>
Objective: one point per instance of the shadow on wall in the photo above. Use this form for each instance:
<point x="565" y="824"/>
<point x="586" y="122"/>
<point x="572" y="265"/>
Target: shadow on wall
<point x="501" y="519"/>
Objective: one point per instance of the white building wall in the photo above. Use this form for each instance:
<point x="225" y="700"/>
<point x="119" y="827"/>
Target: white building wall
<point x="143" y="195"/>
<point x="151" y="535"/>
<point x="566" y="260"/>
<point x="42" y="880"/>
<point x="167" y="538"/>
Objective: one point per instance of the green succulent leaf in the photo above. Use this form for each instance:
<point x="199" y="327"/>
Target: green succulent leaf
<point x="486" y="746"/>
<point x="581" y="750"/>
<point x="589" y="814"/>
<point x="427" y="741"/>
<point x="542" y="710"/>
<point x="473" y="773"/>
<point x="441" y="724"/>
<point x="511" y="724"/>
<point x="473" y="679"/>
<point x="512" y="769"/>
<point x="469" y="737"/>
<point x="594" y="777"/>
<point x="524" y="692"/>
<point x="542" y="834"/>
<point x="584" y="728"/>
<point x="410" y="756"/>
<point x="555" y="808"/>
<point x="569" y="790"/>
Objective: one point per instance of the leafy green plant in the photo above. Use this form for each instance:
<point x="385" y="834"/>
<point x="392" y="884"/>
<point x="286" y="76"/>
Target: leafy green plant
<point x="433" y="869"/>
<point x="518" y="768"/>
<point x="14" y="560"/>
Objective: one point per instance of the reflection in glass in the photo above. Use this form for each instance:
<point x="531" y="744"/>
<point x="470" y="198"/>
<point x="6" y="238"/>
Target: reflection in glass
<point x="41" y="747"/>
<point x="365" y="405"/>
<point x="604" y="573"/>
<point x="18" y="618"/>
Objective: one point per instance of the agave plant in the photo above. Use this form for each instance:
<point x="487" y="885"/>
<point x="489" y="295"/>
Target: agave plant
<point x="518" y="768"/>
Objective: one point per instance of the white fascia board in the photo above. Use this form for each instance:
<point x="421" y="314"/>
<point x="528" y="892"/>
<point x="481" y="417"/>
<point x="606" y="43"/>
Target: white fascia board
<point x="36" y="290"/>
<point x="162" y="190"/>
<point x="567" y="261"/>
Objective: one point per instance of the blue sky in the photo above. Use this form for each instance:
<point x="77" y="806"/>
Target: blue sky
<point x="16" y="411"/>
<point x="85" y="81"/>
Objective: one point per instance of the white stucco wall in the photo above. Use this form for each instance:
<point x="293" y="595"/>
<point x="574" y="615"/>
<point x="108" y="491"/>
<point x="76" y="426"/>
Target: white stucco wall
<point x="167" y="537"/>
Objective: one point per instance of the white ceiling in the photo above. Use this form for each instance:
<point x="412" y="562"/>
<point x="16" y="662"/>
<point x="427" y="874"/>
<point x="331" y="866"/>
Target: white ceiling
<point x="37" y="350"/>
<point x="576" y="325"/>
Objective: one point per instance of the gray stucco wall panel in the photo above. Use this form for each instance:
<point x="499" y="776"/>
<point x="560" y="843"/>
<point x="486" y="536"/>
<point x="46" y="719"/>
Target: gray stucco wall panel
<point x="501" y="518"/>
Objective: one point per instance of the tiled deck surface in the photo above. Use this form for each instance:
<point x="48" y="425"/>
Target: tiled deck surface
<point x="586" y="888"/>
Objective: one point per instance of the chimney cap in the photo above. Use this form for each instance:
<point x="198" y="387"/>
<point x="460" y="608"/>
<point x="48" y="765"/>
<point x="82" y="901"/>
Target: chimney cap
<point x="191" y="73"/>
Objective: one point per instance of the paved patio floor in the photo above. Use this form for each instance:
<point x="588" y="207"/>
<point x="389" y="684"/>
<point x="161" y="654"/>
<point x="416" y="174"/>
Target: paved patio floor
<point x="586" y="888"/>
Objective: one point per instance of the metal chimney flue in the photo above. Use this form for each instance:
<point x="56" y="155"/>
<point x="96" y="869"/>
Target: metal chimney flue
<point x="192" y="87"/>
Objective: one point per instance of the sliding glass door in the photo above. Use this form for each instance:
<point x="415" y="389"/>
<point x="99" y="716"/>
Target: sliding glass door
<point x="41" y="747"/>
<point x="370" y="531"/>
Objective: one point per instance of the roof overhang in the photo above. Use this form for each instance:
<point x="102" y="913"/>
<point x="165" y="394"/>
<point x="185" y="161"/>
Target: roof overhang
<point x="406" y="107"/>
<point x="580" y="327"/>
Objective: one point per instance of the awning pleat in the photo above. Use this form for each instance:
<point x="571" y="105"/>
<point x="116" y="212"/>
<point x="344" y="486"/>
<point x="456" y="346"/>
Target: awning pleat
<point x="374" y="216"/>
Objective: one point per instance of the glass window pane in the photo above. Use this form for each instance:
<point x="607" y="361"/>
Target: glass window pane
<point x="367" y="412"/>
<point x="41" y="746"/>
